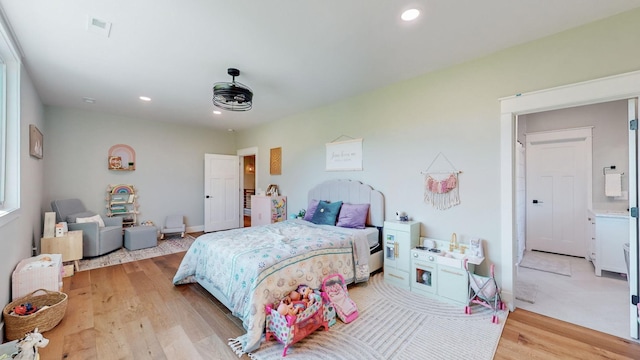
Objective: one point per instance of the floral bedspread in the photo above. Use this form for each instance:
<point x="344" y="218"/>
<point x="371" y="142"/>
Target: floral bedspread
<point x="259" y="265"/>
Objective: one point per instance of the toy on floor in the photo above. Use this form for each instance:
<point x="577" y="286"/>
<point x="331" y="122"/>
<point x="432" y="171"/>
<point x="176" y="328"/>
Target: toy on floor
<point x="25" y="309"/>
<point x="29" y="344"/>
<point x="484" y="290"/>
<point x="336" y="289"/>
<point x="290" y="320"/>
<point x="173" y="224"/>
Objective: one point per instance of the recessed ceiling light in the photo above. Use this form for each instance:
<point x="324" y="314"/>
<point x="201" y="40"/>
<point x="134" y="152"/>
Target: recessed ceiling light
<point x="145" y="98"/>
<point x="217" y="112"/>
<point x="410" y="14"/>
<point x="230" y="130"/>
<point x="89" y="100"/>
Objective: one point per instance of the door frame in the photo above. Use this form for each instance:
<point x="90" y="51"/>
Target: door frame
<point x="241" y="154"/>
<point x="617" y="87"/>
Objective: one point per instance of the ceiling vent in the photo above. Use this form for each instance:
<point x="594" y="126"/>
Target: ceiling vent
<point x="232" y="95"/>
<point x="98" y="26"/>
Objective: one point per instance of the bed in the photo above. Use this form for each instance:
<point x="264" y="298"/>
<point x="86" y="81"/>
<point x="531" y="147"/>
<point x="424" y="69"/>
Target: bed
<point x="248" y="268"/>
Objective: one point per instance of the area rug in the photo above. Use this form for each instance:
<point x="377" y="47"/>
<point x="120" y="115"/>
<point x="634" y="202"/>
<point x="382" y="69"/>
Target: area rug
<point x="553" y="263"/>
<point x="169" y="245"/>
<point x="398" y="324"/>
<point x="526" y="291"/>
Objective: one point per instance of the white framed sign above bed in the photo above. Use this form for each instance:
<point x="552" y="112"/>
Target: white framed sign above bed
<point x="344" y="155"/>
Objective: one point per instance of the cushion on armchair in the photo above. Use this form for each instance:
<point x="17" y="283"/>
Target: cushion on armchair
<point x="84" y="214"/>
<point x="95" y="218"/>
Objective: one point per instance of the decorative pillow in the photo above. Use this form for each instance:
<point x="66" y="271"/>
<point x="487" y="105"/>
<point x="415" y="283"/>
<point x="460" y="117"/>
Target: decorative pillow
<point x="326" y="213"/>
<point x="72" y="218"/>
<point x="311" y="209"/>
<point x="353" y="216"/>
<point x="95" y="218"/>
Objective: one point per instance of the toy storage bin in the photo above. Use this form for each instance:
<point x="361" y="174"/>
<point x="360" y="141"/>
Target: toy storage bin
<point x="27" y="277"/>
<point x="45" y="319"/>
<point x="290" y="329"/>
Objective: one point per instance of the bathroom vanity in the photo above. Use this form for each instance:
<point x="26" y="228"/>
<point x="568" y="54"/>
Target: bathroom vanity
<point x="609" y="231"/>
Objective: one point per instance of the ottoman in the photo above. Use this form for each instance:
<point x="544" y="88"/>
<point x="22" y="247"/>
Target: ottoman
<point x="140" y="237"/>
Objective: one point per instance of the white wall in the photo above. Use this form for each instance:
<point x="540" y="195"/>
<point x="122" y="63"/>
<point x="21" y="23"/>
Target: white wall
<point x="454" y="111"/>
<point x="16" y="237"/>
<point x="169" y="174"/>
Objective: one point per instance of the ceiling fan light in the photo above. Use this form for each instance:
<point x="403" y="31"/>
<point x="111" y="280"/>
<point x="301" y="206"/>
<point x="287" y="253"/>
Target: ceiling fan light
<point x="232" y="96"/>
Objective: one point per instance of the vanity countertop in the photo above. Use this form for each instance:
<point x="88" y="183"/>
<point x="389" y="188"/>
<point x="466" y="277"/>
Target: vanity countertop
<point x="611" y="213"/>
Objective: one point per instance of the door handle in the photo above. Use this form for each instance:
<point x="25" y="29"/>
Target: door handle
<point x="207" y="196"/>
<point x="537" y="202"/>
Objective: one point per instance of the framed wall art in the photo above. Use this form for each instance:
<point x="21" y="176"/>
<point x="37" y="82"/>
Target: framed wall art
<point x="275" y="164"/>
<point x="344" y="155"/>
<point x="35" y="142"/>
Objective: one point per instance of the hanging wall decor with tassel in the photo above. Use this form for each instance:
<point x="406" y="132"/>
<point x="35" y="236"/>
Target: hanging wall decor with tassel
<point x="441" y="187"/>
<point x="442" y="194"/>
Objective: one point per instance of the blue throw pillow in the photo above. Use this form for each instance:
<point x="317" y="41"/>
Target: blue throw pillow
<point x="326" y="213"/>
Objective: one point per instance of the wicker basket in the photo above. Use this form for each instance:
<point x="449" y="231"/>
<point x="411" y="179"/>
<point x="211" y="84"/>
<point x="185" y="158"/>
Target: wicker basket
<point x="16" y="326"/>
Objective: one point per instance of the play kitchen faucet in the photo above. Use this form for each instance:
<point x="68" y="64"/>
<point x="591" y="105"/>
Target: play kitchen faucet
<point x="454" y="245"/>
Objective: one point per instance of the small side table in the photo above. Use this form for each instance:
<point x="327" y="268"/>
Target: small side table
<point x="69" y="245"/>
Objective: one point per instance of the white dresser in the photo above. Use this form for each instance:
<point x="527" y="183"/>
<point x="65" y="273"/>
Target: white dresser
<point x="268" y="209"/>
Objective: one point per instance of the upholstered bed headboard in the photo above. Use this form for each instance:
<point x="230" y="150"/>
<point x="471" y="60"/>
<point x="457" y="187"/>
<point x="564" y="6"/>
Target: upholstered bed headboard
<point x="354" y="192"/>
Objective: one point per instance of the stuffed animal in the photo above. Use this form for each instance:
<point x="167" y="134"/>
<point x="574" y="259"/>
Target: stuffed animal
<point x="296" y="302"/>
<point x="285" y="306"/>
<point x="304" y="291"/>
<point x="298" y="307"/>
<point x="305" y="294"/>
<point x="295" y="295"/>
<point x="29" y="344"/>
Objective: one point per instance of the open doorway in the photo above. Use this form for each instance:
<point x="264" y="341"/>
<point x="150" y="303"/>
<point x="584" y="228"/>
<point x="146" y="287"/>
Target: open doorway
<point x="570" y="275"/>
<point x="249" y="188"/>
<point x="248" y="180"/>
<point x="618" y="87"/>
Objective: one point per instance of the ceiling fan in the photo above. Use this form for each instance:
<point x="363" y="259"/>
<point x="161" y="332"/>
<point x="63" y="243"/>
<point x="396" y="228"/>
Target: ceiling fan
<point x="233" y="95"/>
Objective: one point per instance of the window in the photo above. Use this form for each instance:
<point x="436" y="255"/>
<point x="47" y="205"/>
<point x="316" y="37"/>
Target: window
<point x="9" y="126"/>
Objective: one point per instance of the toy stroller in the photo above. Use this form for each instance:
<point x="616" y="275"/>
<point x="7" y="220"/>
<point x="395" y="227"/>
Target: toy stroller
<point x="484" y="290"/>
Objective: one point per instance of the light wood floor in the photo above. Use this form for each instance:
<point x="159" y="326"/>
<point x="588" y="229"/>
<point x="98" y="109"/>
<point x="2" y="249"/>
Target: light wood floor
<point x="133" y="311"/>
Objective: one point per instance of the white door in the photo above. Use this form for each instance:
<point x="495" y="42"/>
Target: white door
<point x="221" y="192"/>
<point x="558" y="167"/>
<point x="634" y="272"/>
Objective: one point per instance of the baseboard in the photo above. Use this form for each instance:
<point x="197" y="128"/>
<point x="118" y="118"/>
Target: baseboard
<point x="198" y="228"/>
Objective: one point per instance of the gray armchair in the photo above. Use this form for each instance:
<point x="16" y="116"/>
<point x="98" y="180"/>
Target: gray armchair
<point x="96" y="240"/>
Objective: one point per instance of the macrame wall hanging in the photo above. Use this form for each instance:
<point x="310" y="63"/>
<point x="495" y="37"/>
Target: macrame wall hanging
<point x="441" y="187"/>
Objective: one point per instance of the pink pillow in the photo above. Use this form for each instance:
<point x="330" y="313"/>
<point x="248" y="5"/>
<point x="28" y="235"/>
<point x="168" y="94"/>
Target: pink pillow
<point x="353" y="216"/>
